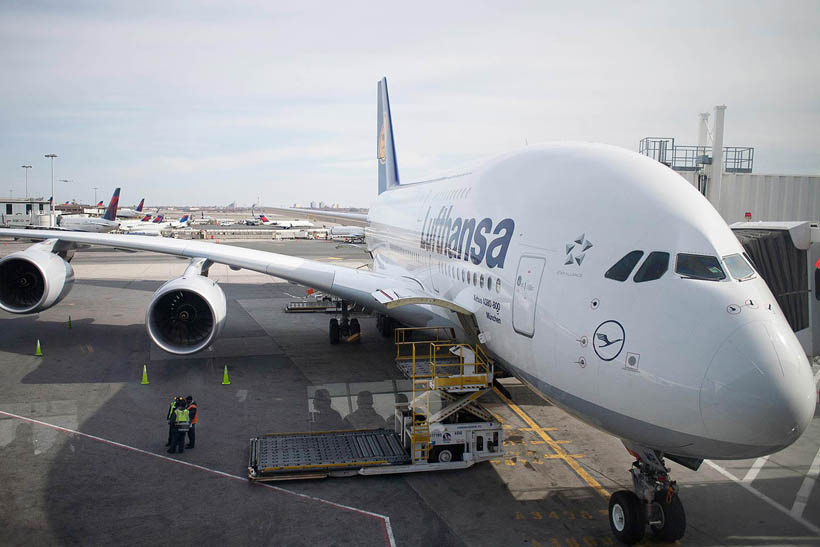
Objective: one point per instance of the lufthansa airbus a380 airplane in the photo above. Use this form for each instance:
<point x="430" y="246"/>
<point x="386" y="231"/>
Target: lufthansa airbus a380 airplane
<point x="598" y="276"/>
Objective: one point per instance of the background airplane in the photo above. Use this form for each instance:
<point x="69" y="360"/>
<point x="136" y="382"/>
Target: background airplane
<point x="107" y="223"/>
<point x="132" y="213"/>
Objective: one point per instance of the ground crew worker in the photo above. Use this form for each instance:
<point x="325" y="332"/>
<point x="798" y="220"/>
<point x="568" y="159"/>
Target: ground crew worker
<point x="168" y="418"/>
<point x="181" y="423"/>
<point x="190" y="405"/>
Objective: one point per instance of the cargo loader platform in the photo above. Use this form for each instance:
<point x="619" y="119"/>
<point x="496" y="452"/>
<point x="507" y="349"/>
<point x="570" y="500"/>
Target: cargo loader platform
<point x="320" y="454"/>
<point x="442" y="426"/>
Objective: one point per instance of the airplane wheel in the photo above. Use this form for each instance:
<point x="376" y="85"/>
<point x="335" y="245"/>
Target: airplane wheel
<point x="355" y="328"/>
<point x="334" y="331"/>
<point x="385" y="325"/>
<point x="672" y="516"/>
<point x="627" y="517"/>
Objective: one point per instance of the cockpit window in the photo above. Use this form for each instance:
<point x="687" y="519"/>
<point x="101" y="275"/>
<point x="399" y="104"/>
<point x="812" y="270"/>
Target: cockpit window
<point x="699" y="267"/>
<point x="653" y="267"/>
<point x="738" y="267"/>
<point x="621" y="270"/>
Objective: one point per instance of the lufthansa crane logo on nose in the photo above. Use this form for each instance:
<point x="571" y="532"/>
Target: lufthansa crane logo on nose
<point x="609" y="340"/>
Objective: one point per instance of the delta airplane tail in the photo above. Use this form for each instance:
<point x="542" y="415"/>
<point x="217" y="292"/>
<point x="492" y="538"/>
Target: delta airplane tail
<point x="158" y="219"/>
<point x="139" y="207"/>
<point x="100" y="204"/>
<point x="386" y="148"/>
<point x="111" y="212"/>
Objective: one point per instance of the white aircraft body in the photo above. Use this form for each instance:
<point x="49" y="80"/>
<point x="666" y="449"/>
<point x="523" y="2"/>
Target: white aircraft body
<point x="598" y="276"/>
<point x="157" y="226"/>
<point x="347" y="233"/>
<point x="107" y="223"/>
<point x="132" y="213"/>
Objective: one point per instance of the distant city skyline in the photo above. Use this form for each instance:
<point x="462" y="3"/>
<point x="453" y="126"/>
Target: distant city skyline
<point x="204" y="104"/>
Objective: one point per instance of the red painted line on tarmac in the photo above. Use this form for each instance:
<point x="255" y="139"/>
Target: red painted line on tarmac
<point x="389" y="540"/>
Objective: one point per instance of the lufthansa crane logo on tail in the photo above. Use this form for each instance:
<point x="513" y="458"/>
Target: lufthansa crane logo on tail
<point x="609" y="340"/>
<point x="382" y="151"/>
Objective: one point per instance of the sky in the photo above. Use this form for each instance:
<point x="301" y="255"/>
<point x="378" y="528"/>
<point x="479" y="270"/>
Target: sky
<point x="204" y="103"/>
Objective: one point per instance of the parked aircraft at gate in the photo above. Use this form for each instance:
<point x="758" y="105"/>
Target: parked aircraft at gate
<point x="132" y="213"/>
<point x="107" y="223"/>
<point x="597" y="275"/>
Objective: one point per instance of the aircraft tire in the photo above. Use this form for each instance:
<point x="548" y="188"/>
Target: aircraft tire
<point x="334" y="331"/>
<point x="355" y="328"/>
<point x="627" y="517"/>
<point x="673" y="518"/>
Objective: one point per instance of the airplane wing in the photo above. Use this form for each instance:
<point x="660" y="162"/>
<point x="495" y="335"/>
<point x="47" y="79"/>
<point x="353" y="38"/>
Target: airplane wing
<point x="351" y="284"/>
<point x="357" y="219"/>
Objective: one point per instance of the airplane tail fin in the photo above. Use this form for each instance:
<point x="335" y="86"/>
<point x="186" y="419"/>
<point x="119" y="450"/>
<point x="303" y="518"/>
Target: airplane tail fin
<point x="139" y="207"/>
<point x="183" y="219"/>
<point x="386" y="148"/>
<point x="158" y="219"/>
<point x="100" y="204"/>
<point x="146" y="218"/>
<point x="111" y="212"/>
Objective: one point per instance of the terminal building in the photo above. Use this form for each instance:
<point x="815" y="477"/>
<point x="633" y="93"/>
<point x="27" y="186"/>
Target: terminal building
<point x="21" y="212"/>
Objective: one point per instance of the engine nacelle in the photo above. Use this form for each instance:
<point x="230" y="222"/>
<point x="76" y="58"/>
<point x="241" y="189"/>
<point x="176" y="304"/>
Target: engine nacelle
<point x="186" y="314"/>
<point x="33" y="280"/>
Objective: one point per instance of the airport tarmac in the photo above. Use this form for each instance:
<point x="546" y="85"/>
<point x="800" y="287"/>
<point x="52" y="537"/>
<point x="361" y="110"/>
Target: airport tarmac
<point x="82" y="456"/>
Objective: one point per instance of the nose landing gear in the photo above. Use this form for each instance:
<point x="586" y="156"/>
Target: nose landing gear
<point x="654" y="501"/>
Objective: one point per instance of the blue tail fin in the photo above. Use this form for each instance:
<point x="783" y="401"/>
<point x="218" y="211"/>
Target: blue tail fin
<point x="386" y="148"/>
<point x="111" y="212"/>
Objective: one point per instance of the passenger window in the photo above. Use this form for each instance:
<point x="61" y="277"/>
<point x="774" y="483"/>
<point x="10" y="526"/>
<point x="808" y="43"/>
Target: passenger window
<point x="498" y="285"/>
<point x="489" y="283"/>
<point x="699" y="267"/>
<point x="481" y="281"/>
<point x="738" y="267"/>
<point x="653" y="267"/>
<point x="621" y="270"/>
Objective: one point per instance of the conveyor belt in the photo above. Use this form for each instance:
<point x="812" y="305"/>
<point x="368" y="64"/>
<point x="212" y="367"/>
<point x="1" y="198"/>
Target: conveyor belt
<point x="329" y="450"/>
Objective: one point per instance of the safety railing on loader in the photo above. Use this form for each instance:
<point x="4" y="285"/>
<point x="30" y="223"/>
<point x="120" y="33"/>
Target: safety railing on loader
<point x="460" y="367"/>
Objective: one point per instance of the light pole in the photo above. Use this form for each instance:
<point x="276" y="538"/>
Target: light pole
<point x="26" y="167"/>
<point x="95" y="196"/>
<point x="53" y="197"/>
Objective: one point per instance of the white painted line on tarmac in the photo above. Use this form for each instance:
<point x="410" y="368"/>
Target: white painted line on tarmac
<point x="751" y="474"/>
<point x="388" y="529"/>
<point x="763" y="496"/>
<point x="806" y="488"/>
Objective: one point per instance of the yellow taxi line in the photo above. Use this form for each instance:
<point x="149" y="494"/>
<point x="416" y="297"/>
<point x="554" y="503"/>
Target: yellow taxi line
<point x="560" y="453"/>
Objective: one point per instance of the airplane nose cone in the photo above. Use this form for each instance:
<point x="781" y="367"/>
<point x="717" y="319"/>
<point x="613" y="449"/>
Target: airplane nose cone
<point x="759" y="389"/>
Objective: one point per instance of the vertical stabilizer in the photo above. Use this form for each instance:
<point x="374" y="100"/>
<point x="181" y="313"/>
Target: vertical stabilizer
<point x="386" y="148"/>
<point x="111" y="212"/>
<point x="139" y="207"/>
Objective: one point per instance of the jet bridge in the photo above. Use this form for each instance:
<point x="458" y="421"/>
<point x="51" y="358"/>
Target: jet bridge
<point x="441" y="427"/>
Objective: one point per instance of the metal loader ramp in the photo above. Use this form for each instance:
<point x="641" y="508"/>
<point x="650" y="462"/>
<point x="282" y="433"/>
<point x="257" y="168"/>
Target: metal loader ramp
<point x="282" y="456"/>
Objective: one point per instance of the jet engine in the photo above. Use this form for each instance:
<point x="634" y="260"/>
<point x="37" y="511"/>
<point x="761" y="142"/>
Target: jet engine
<point x="186" y="314"/>
<point x="33" y="280"/>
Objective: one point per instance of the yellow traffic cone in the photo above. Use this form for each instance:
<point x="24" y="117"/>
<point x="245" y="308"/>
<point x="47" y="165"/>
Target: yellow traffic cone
<point x="225" y="380"/>
<point x="144" y="375"/>
<point x="69" y="321"/>
<point x="39" y="352"/>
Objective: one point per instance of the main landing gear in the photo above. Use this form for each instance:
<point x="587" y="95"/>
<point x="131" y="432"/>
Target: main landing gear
<point x="654" y="501"/>
<point x="345" y="329"/>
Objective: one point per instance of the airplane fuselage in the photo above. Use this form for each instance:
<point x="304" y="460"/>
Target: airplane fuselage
<point x="700" y="368"/>
<point x="88" y="224"/>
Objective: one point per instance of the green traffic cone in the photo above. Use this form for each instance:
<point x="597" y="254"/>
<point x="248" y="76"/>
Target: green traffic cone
<point x="38" y="352"/>
<point x="225" y="380"/>
<point x="144" y="375"/>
